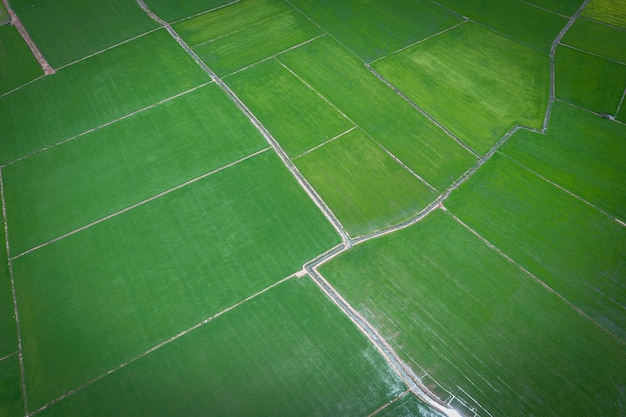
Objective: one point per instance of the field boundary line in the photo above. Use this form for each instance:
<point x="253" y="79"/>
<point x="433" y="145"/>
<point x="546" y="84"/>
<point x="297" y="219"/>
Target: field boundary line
<point x="17" y="23"/>
<point x="544" y="9"/>
<point x="595" y="113"/>
<point x="141" y="203"/>
<point x="422" y="111"/>
<point x="161" y="344"/>
<point x="560" y="187"/>
<point x="108" y="48"/>
<point x="15" y="352"/>
<point x="552" y="61"/>
<point x="204" y="12"/>
<point x="291" y="48"/>
<point x="619" y="106"/>
<point x="19" y="87"/>
<point x="434" y="35"/>
<point x="591" y="53"/>
<point x="384" y="406"/>
<point x="93" y="129"/>
<point x="252" y="25"/>
<point x="325" y="142"/>
<point x="20" y="354"/>
<point x="535" y="278"/>
<point x="317" y="200"/>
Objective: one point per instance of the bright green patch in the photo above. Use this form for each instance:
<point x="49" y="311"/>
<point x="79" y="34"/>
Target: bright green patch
<point x="95" y="91"/>
<point x="17" y="63"/>
<point x="8" y="330"/>
<point x="171" y="10"/>
<point x="373" y="28"/>
<point x="576" y="250"/>
<point x="365" y="188"/>
<point x="566" y="7"/>
<point x="228" y="20"/>
<point x="589" y="81"/>
<point x="473" y="81"/>
<point x="11" y="402"/>
<point x="81" y="181"/>
<point x="379" y="111"/>
<point x="294" y="114"/>
<point x="526" y="24"/>
<point x="4" y="16"/>
<point x="583" y="153"/>
<point x="604" y="40"/>
<point x="67" y="30"/>
<point x="608" y="11"/>
<point x="98" y="298"/>
<point x="288" y="352"/>
<point x="452" y="306"/>
<point x="256" y="42"/>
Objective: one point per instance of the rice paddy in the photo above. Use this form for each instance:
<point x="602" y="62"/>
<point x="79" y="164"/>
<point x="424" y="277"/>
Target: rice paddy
<point x="334" y="208"/>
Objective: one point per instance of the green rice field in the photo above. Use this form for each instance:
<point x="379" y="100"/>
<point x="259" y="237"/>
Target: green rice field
<point x="401" y="208"/>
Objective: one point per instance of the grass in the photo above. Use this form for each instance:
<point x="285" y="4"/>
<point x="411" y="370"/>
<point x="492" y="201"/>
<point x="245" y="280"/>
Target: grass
<point x="376" y="109"/>
<point x="11" y="401"/>
<point x="67" y="30"/>
<point x="108" y="170"/>
<point x="93" y="92"/>
<point x="566" y="7"/>
<point x="373" y="29"/>
<point x="479" y="323"/>
<point x="570" y="246"/>
<point x="294" y="114"/>
<point x="608" y="11"/>
<point x="491" y="83"/>
<point x="19" y="64"/>
<point x="365" y="188"/>
<point x="287" y="352"/>
<point x="171" y="11"/>
<point x="256" y="42"/>
<point x="589" y="81"/>
<point x="212" y="244"/>
<point x="517" y="20"/>
<point x="600" y="39"/>
<point x="581" y="152"/>
<point x="4" y="15"/>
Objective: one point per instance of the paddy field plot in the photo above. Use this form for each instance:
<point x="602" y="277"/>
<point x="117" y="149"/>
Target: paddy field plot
<point x="4" y="15"/>
<point x="589" y="81"/>
<point x="93" y="92"/>
<point x="581" y="152"/>
<point x="19" y="66"/>
<point x="108" y="170"/>
<point x="99" y="297"/>
<point x="573" y="248"/>
<point x="8" y="330"/>
<point x="296" y="116"/>
<point x="477" y="324"/>
<point x="408" y="406"/>
<point x="343" y="80"/>
<point x="476" y="83"/>
<point x="172" y="10"/>
<point x="11" y="402"/>
<point x="286" y="352"/>
<point x="372" y="29"/>
<point x="67" y="30"/>
<point x="364" y="187"/>
<point x="597" y="38"/>
<point x="609" y="11"/>
<point x="514" y="19"/>
<point x="564" y="7"/>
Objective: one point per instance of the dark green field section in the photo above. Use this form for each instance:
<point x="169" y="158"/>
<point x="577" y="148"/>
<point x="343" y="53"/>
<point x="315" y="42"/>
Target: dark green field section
<point x="93" y="92"/>
<point x="296" y="116"/>
<point x="478" y="325"/>
<point x="19" y="65"/>
<point x="172" y="10"/>
<point x="8" y="329"/>
<point x="608" y="11"/>
<point x="581" y="152"/>
<point x="514" y="19"/>
<point x="589" y="81"/>
<point x="373" y="29"/>
<point x="67" y="30"/>
<point x="408" y="406"/>
<point x="343" y="80"/>
<point x="565" y="7"/>
<point x="11" y="400"/>
<point x="573" y="248"/>
<point x="601" y="39"/>
<point x="100" y="297"/>
<point x="73" y="184"/>
<point x="242" y="37"/>
<point x="491" y="83"/>
<point x="364" y="186"/>
<point x="287" y="352"/>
